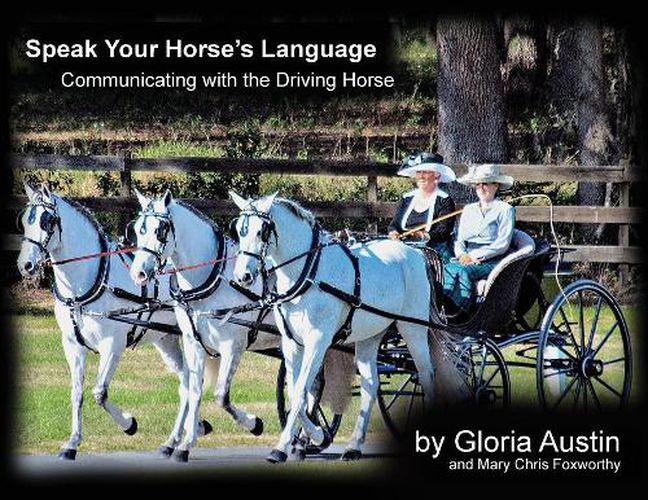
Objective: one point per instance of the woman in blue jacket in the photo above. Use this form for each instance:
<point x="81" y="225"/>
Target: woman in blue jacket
<point x="483" y="237"/>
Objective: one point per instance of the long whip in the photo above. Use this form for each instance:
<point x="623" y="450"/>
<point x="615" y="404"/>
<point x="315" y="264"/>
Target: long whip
<point x="510" y="200"/>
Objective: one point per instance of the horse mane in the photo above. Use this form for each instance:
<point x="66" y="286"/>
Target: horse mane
<point x="85" y="212"/>
<point x="297" y="210"/>
<point x="198" y="214"/>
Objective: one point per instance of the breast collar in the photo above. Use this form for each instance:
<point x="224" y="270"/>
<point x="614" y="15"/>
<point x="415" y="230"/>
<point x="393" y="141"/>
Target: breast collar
<point x="213" y="281"/>
<point x="98" y="287"/>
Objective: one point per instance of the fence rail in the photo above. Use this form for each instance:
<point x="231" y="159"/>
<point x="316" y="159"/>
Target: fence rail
<point x="371" y="209"/>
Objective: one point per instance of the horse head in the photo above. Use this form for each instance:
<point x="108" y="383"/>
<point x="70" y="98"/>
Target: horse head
<point x="253" y="231"/>
<point x="153" y="234"/>
<point x="40" y="225"/>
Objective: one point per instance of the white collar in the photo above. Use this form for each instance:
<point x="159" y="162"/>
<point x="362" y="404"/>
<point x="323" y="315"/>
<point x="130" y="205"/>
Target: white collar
<point x="431" y="203"/>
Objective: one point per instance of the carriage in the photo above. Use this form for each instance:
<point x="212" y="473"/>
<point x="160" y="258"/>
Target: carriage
<point x="578" y="345"/>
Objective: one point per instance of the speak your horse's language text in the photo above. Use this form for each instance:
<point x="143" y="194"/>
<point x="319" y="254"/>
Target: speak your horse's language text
<point x="180" y="49"/>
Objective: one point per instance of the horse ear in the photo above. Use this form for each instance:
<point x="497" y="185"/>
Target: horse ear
<point x="239" y="201"/>
<point x="264" y="204"/>
<point x="29" y="191"/>
<point x="167" y="198"/>
<point x="143" y="200"/>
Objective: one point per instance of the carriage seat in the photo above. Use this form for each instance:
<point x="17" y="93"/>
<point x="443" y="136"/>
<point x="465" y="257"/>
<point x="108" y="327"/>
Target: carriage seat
<point x="522" y="245"/>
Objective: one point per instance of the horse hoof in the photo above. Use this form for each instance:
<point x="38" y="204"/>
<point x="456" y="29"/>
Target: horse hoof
<point x="350" y="455"/>
<point x="277" y="457"/>
<point x="181" y="456"/>
<point x="207" y="427"/>
<point x="258" y="427"/>
<point x="165" y="451"/>
<point x="299" y="454"/>
<point x="132" y="429"/>
<point x="67" y="454"/>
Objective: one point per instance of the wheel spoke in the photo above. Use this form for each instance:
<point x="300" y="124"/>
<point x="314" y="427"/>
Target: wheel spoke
<point x="409" y="409"/>
<point x="618" y="360"/>
<point x="557" y="372"/>
<point x="607" y="386"/>
<point x="581" y="319"/>
<point x="594" y="396"/>
<point x="398" y="393"/>
<point x="483" y="363"/>
<point x="577" y="394"/>
<point x="566" y="321"/>
<point x="569" y="330"/>
<point x="561" y="349"/>
<point x="594" y="323"/>
<point x="491" y="377"/>
<point x="607" y="336"/>
<point x="562" y="396"/>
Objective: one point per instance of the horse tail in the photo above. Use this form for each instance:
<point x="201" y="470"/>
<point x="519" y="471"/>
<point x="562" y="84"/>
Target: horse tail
<point x="339" y="373"/>
<point x="211" y="374"/>
<point x="449" y="382"/>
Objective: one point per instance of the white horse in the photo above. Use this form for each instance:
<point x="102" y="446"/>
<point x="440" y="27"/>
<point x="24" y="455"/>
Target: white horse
<point x="56" y="229"/>
<point x="168" y="229"/>
<point x="392" y="278"/>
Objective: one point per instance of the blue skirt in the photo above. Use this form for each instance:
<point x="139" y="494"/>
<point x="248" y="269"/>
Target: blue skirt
<point x="459" y="283"/>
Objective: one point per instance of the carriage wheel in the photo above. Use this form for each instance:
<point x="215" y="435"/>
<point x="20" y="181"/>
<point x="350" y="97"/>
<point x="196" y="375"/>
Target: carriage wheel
<point x="584" y="354"/>
<point x="321" y="416"/>
<point x="400" y="395"/>
<point x="531" y="305"/>
<point x="485" y="373"/>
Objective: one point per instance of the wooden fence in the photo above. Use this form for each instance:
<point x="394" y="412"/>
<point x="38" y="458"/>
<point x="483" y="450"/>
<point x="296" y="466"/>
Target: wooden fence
<point x="370" y="209"/>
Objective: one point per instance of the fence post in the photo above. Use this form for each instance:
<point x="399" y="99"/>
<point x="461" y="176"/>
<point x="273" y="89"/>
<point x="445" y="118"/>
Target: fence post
<point x="624" y="234"/>
<point x="125" y="185"/>
<point x="372" y="197"/>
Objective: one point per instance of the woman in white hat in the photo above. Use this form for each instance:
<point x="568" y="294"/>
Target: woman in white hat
<point x="426" y="203"/>
<point x="483" y="236"/>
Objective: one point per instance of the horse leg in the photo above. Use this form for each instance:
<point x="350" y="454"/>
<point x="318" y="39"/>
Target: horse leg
<point x="231" y="353"/>
<point x="310" y="365"/>
<point x="171" y="353"/>
<point x="75" y="355"/>
<point x="366" y="354"/>
<point x="109" y="354"/>
<point x="416" y="338"/>
<point x="194" y="358"/>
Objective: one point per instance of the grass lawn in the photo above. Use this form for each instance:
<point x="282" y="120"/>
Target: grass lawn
<point x="143" y="387"/>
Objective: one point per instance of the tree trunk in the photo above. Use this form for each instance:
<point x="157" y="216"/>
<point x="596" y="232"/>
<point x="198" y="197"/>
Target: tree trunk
<point x="593" y="121"/>
<point x="471" y="119"/>
<point x="577" y="88"/>
<point x="526" y="64"/>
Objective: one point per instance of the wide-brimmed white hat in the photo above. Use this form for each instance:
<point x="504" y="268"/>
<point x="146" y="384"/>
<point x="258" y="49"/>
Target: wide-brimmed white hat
<point x="427" y="162"/>
<point x="487" y="173"/>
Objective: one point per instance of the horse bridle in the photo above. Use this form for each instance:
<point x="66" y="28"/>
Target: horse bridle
<point x="48" y="222"/>
<point x="165" y="227"/>
<point x="268" y="229"/>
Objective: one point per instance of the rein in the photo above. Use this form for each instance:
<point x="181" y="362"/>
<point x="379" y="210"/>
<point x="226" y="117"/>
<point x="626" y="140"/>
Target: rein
<point x="90" y="256"/>
<point x="172" y="270"/>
